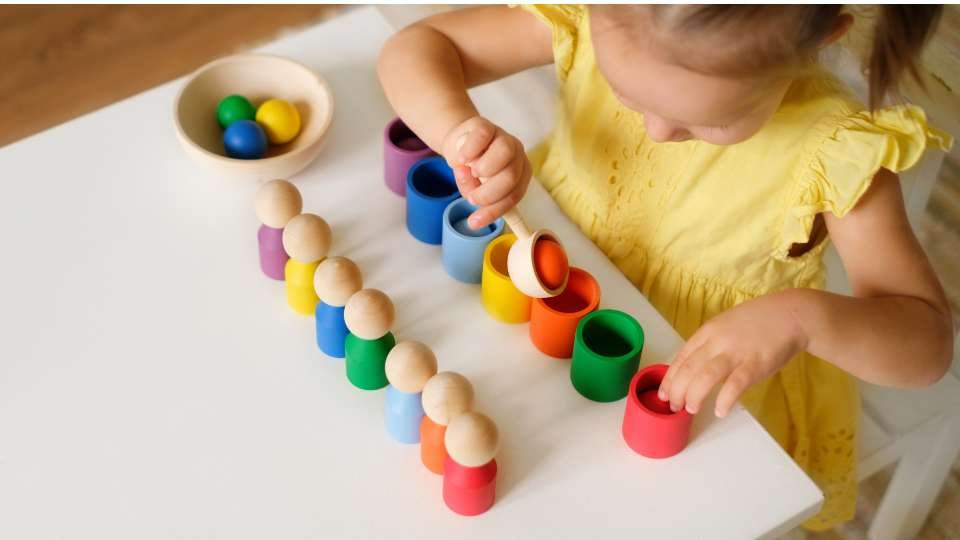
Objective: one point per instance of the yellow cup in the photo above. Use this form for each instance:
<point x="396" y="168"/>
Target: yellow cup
<point x="301" y="296"/>
<point x="499" y="296"/>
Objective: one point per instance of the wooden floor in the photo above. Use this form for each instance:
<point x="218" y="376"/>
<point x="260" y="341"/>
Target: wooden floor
<point x="62" y="61"/>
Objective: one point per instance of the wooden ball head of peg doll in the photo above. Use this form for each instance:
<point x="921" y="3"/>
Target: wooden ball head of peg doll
<point x="470" y="471"/>
<point x="335" y="281"/>
<point x="410" y="364"/>
<point x="446" y="395"/>
<point x="307" y="240"/>
<point x="369" y="315"/>
<point x="276" y="203"/>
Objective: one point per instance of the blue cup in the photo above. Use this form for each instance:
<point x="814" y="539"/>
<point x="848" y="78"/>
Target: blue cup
<point x="431" y="186"/>
<point x="463" y="247"/>
<point x="403" y="413"/>
<point x="331" y="330"/>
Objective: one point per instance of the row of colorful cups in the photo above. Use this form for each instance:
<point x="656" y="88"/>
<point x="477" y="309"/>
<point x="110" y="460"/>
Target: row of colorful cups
<point x="604" y="344"/>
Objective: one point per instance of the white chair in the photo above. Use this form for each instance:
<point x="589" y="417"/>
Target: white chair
<point x="917" y="430"/>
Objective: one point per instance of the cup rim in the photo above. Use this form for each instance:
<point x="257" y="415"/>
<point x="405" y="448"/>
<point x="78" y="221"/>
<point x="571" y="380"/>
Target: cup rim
<point x="591" y="305"/>
<point x="634" y="399"/>
<point x="412" y="187"/>
<point x="447" y="226"/>
<point x="426" y="150"/>
<point x="635" y="349"/>
<point x="325" y="120"/>
<point x="487" y="258"/>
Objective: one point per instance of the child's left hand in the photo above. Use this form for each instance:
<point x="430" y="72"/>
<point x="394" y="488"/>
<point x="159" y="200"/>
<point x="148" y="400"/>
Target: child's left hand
<point x="738" y="348"/>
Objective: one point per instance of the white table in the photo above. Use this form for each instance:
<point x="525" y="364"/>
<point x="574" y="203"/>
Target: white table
<point x="153" y="384"/>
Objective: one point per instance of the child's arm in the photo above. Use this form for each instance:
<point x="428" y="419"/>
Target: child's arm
<point x="425" y="70"/>
<point x="896" y="330"/>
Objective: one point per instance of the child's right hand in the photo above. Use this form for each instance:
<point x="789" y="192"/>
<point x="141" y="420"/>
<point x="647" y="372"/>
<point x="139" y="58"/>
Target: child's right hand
<point x="479" y="149"/>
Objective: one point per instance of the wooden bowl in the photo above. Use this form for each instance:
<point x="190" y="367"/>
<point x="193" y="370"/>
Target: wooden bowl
<point x="258" y="77"/>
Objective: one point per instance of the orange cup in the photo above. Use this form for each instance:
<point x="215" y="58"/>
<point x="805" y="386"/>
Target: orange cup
<point x="553" y="321"/>
<point x="433" y="451"/>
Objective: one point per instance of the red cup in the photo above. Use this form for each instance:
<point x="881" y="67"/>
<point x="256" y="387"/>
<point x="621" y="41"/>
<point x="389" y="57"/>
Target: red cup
<point x="649" y="427"/>
<point x="553" y="321"/>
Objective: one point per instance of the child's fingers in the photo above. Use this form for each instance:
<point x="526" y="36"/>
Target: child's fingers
<point x="466" y="182"/>
<point x="710" y="375"/>
<point x="476" y="137"/>
<point x="488" y="214"/>
<point x="682" y="377"/>
<point x="497" y="156"/>
<point x="736" y="384"/>
<point x="498" y="186"/>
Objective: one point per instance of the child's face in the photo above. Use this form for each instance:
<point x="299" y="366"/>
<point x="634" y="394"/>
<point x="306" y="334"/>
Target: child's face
<point x="679" y="104"/>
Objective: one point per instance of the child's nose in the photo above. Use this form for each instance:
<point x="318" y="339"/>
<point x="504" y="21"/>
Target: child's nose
<point x="661" y="130"/>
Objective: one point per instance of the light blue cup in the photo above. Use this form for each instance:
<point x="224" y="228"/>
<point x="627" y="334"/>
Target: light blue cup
<point x="462" y="247"/>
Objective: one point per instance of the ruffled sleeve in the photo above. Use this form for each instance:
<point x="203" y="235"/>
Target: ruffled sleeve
<point x="563" y="21"/>
<point x="845" y="154"/>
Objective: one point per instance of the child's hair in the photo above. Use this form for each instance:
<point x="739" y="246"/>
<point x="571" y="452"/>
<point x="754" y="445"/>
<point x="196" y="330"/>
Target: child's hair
<point x="763" y="38"/>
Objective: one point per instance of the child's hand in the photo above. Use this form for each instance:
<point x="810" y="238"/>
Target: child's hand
<point x="478" y="149"/>
<point x="738" y="348"/>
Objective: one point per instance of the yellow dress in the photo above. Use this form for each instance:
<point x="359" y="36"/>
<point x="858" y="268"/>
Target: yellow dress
<point x="699" y="228"/>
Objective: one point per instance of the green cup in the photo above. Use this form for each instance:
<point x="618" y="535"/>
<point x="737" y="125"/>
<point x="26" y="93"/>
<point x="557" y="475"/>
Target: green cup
<point x="606" y="354"/>
<point x="366" y="360"/>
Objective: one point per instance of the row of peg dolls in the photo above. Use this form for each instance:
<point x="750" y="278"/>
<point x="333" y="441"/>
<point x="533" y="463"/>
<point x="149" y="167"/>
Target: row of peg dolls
<point x="422" y="405"/>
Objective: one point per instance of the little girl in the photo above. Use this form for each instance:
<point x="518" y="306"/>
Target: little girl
<point x="703" y="150"/>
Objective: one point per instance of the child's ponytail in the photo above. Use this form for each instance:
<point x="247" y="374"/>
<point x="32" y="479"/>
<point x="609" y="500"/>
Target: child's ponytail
<point x="900" y="34"/>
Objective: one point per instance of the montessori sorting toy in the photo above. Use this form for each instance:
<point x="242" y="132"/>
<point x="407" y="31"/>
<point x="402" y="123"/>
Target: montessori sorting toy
<point x="470" y="470"/>
<point x="463" y="247"/>
<point x="553" y="321"/>
<point x="649" y="427"/>
<point x="409" y="366"/>
<point x="335" y="280"/>
<point x="431" y="186"/>
<point x="306" y="238"/>
<point x="276" y="203"/>
<point x="445" y="396"/>
<point x="606" y="353"/>
<point x="401" y="149"/>
<point x="279" y="119"/>
<point x="369" y="315"/>
<point x="498" y="294"/>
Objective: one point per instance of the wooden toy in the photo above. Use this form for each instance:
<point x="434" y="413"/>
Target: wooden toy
<point x="446" y="395"/>
<point x="335" y="281"/>
<point x="276" y="203"/>
<point x="649" y="430"/>
<point x="606" y="353"/>
<point x="401" y="149"/>
<point x="470" y="470"/>
<point x="462" y="254"/>
<point x="409" y="366"/>
<point x="245" y="139"/>
<point x="306" y="238"/>
<point x="553" y="321"/>
<point x="252" y="75"/>
<point x="369" y="315"/>
<point x="537" y="271"/>
<point x="280" y="119"/>
<point x="431" y="186"/>
<point x="500" y="297"/>
<point x="233" y="108"/>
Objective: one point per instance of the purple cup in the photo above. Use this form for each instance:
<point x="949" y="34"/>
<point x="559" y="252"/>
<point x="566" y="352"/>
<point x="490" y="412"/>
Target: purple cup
<point x="401" y="149"/>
